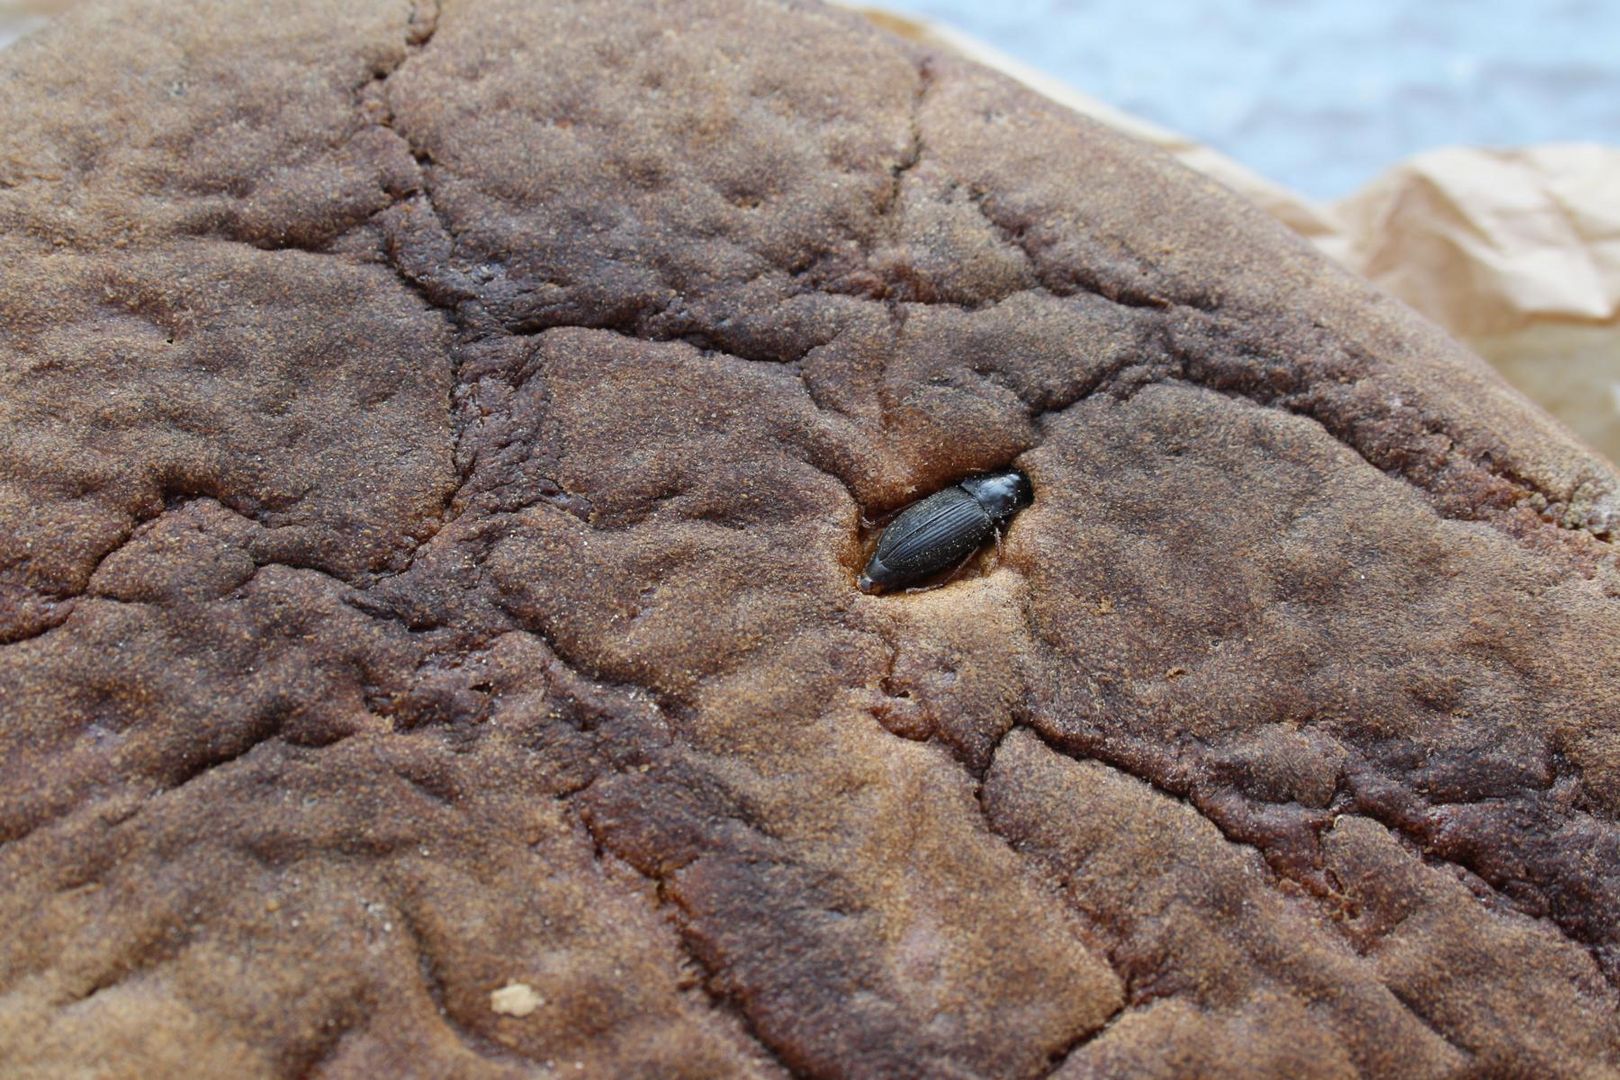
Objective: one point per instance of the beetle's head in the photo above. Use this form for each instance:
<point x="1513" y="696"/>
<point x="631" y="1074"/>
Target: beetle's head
<point x="1002" y="494"/>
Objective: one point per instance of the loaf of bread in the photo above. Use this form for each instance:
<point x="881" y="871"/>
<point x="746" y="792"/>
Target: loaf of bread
<point x="438" y="446"/>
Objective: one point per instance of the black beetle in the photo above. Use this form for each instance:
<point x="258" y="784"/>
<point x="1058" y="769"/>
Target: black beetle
<point x="946" y="527"/>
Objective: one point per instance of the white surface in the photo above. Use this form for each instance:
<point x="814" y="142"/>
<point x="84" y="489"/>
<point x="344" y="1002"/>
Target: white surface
<point x="14" y="26"/>
<point x="1321" y="95"/>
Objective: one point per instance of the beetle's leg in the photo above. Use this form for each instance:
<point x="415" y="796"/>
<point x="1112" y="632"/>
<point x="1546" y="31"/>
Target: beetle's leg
<point x="941" y="578"/>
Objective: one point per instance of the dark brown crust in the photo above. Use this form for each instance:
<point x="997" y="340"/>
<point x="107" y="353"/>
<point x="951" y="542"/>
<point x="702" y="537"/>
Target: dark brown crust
<point x="434" y="448"/>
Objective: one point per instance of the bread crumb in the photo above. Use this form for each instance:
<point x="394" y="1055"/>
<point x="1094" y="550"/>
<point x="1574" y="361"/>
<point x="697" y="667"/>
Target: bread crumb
<point x="1105" y="606"/>
<point x="515" y="999"/>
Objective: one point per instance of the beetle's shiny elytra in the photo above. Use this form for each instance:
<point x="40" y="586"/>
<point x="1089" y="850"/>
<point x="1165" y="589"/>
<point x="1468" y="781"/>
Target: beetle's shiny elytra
<point x="937" y="532"/>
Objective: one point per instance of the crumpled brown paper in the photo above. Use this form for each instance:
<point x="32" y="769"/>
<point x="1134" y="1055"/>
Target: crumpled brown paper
<point x="1515" y="252"/>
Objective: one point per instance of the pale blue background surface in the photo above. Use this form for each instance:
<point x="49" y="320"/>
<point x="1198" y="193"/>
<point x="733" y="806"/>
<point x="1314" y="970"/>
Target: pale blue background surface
<point x="1319" y="95"/>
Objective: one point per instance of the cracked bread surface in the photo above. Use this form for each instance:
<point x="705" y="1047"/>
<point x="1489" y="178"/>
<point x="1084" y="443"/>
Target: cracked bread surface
<point x="434" y="445"/>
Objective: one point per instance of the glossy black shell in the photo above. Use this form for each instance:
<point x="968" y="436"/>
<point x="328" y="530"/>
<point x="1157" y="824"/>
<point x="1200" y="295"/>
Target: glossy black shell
<point x="937" y="532"/>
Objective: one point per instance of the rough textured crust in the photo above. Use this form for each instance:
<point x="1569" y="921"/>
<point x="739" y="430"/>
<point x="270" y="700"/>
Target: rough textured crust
<point x="432" y="451"/>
